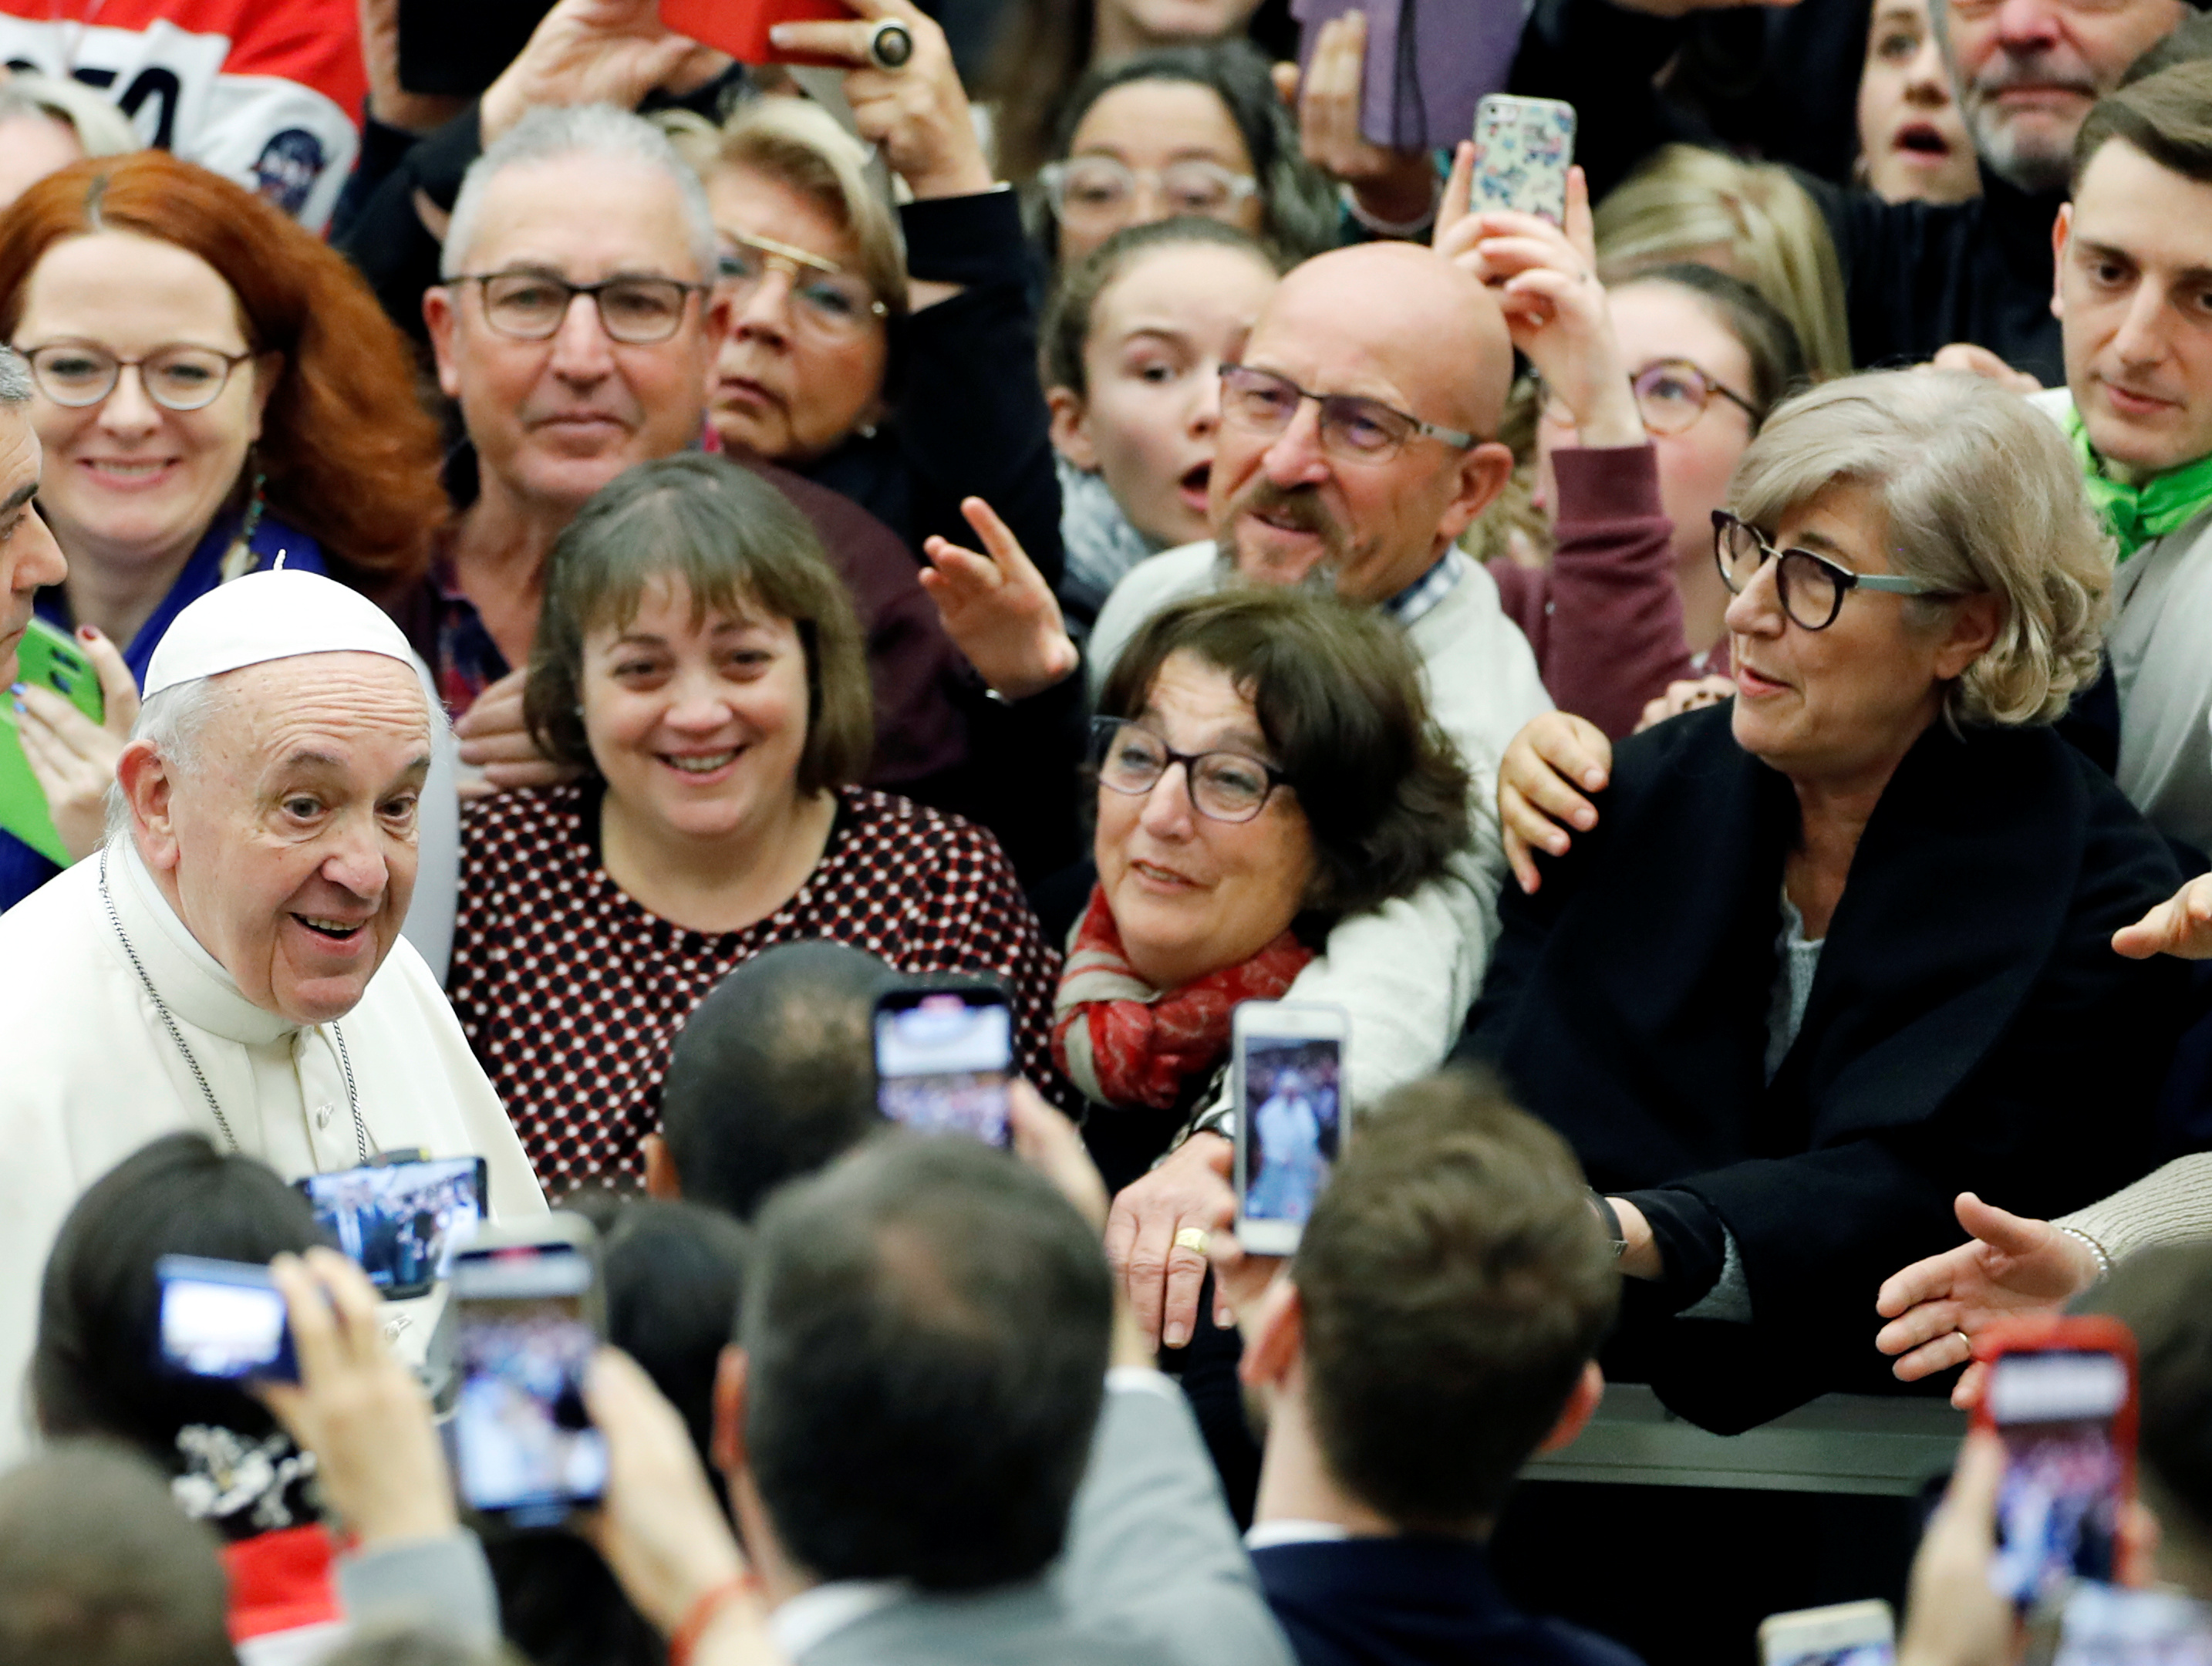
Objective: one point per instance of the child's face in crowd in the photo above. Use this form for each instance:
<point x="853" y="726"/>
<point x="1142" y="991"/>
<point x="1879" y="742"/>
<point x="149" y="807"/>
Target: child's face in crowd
<point x="1653" y="322"/>
<point x="789" y="384"/>
<point x="128" y="481"/>
<point x="1146" y="125"/>
<point x="2134" y="248"/>
<point x="697" y="722"/>
<point x="1912" y="142"/>
<point x="1158" y="335"/>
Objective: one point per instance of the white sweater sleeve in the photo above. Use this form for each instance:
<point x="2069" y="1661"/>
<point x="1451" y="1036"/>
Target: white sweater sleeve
<point x="2172" y="1205"/>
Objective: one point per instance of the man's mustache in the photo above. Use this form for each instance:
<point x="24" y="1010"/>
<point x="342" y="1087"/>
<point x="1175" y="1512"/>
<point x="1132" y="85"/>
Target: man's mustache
<point x="1298" y="506"/>
<point x="2009" y="72"/>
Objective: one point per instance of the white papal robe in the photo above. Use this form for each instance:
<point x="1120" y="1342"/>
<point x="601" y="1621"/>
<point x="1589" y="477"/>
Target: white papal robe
<point x="89" y="1075"/>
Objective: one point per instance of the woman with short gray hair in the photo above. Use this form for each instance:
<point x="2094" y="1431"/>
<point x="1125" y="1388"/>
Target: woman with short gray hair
<point x="1835" y="953"/>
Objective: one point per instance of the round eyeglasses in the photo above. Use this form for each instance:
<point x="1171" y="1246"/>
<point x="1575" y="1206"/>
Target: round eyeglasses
<point x="826" y="300"/>
<point x="1362" y="429"/>
<point x="1811" y="587"/>
<point x="1224" y="787"/>
<point x="1671" y="394"/>
<point x="637" y="312"/>
<point x="179" y="377"/>
<point x="1099" y="193"/>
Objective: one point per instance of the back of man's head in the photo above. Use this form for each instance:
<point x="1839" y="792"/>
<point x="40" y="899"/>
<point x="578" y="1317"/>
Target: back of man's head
<point x="774" y="1076"/>
<point x="1453" y="1281"/>
<point x="926" y="1329"/>
<point x="2165" y="1297"/>
<point x="98" y="1567"/>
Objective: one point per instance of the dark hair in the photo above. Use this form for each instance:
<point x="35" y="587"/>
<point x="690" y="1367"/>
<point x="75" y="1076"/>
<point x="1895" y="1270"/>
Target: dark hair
<point x="2164" y="1295"/>
<point x="1454" y="1281"/>
<point x="773" y="1075"/>
<point x="2166" y="116"/>
<point x="1068" y="315"/>
<point x="1300" y="213"/>
<point x="98" y="1568"/>
<point x="1339" y="696"/>
<point x="737" y="544"/>
<point x="673" y="1272"/>
<point x="926" y="1330"/>
<point x="349" y="452"/>
<point x="1769" y="339"/>
<point x="93" y="1370"/>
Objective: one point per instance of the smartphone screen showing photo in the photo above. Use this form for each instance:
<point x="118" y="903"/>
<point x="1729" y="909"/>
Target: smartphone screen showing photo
<point x="222" y="1319"/>
<point x="2059" y="1505"/>
<point x="943" y="1058"/>
<point x="525" y="1446"/>
<point x="401" y="1223"/>
<point x="1292" y="1109"/>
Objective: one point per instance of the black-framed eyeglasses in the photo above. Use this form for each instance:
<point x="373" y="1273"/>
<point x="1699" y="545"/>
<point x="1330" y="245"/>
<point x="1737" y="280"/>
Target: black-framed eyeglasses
<point x="1353" y="427"/>
<point x="1811" y="587"/>
<point x="1671" y="394"/>
<point x="178" y="377"/>
<point x="634" y="311"/>
<point x="1100" y="193"/>
<point x="1224" y="787"/>
<point x="826" y="299"/>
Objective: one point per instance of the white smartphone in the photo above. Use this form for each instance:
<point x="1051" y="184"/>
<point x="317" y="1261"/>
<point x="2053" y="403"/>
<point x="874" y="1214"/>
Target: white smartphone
<point x="1287" y="1064"/>
<point x="1846" y="1634"/>
<point x="1522" y="149"/>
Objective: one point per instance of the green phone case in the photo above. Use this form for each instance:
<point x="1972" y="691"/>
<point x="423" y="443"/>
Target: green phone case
<point x="45" y="658"/>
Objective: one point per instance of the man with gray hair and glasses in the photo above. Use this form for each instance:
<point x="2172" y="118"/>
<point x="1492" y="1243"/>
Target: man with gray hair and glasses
<point x="29" y="557"/>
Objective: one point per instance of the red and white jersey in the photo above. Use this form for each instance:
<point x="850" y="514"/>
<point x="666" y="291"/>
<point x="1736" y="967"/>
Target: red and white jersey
<point x="265" y="92"/>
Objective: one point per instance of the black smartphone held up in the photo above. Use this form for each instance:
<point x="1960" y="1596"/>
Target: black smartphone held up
<point x="400" y="1222"/>
<point x="528" y="1315"/>
<point x="944" y="1055"/>
<point x="1286" y="1060"/>
<point x="459" y="50"/>
<point x="222" y="1319"/>
<point x="2062" y="1395"/>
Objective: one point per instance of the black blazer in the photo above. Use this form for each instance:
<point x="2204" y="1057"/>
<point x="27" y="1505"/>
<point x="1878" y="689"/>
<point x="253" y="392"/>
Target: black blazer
<point x="1970" y="1027"/>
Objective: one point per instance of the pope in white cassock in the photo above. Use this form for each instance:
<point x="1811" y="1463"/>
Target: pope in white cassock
<point x="231" y="961"/>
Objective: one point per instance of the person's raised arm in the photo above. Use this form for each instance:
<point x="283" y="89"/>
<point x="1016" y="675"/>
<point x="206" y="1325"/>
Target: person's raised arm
<point x="1394" y="192"/>
<point x="998" y="610"/>
<point x="594" y="52"/>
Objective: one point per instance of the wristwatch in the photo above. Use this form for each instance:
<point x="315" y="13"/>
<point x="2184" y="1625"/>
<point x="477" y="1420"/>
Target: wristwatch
<point x="1609" y="1218"/>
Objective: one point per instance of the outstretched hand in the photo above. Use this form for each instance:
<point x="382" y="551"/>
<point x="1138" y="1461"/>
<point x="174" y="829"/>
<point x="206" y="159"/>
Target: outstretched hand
<point x="2012" y="1266"/>
<point x="1161" y="1276"/>
<point x="1537" y="803"/>
<point x="2180" y="926"/>
<point x="998" y="609"/>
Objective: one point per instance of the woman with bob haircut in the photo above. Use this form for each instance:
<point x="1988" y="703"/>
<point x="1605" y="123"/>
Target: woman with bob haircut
<point x="1829" y="954"/>
<point x="698" y="660"/>
<point x="215" y="387"/>
<point x="1266" y="765"/>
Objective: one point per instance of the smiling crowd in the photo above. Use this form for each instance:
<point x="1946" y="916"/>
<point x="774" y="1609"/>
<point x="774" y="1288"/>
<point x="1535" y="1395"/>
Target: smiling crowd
<point x="519" y="679"/>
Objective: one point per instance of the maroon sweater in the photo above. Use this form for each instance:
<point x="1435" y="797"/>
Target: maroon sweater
<point x="1604" y="618"/>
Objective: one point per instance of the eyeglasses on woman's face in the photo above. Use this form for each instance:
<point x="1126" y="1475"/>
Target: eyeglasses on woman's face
<point x="1811" y="587"/>
<point x="1671" y="394"/>
<point x="1358" y="428"/>
<point x="826" y="300"/>
<point x="1224" y="787"/>
<point x="179" y="377"/>
<point x="530" y="306"/>
<point x="1098" y="194"/>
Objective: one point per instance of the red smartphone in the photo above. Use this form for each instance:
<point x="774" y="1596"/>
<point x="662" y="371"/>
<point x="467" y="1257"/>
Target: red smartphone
<point x="740" y="27"/>
<point x="2061" y="1394"/>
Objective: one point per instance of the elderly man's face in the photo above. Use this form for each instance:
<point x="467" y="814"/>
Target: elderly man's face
<point x="1382" y="323"/>
<point x="553" y="420"/>
<point x="287" y="846"/>
<point x="2027" y="71"/>
<point x="28" y="555"/>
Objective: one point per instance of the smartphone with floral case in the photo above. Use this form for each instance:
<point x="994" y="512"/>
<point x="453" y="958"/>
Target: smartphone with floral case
<point x="1523" y="148"/>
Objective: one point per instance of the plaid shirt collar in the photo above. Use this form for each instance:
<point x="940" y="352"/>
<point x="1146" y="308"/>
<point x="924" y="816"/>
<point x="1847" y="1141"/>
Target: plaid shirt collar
<point x="1423" y="595"/>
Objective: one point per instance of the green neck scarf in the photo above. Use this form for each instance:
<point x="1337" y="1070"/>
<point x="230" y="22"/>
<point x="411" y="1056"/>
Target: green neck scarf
<point x="2136" y="515"/>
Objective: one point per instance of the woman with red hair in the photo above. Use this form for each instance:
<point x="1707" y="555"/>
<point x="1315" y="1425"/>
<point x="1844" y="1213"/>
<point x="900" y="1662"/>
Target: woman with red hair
<point x="216" y="388"/>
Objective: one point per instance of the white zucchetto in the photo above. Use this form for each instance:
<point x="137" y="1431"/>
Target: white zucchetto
<point x="276" y="615"/>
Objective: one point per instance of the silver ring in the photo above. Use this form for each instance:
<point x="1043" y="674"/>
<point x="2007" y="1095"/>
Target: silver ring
<point x="890" y="44"/>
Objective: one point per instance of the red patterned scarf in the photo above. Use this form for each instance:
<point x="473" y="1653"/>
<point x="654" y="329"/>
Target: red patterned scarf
<point x="1124" y="1042"/>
